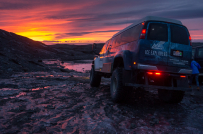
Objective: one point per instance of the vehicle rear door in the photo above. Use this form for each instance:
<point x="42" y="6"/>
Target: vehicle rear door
<point x="180" y="50"/>
<point x="155" y="48"/>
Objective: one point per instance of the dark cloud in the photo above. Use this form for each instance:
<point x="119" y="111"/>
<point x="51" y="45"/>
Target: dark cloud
<point x="82" y="17"/>
<point x="120" y="22"/>
<point x="119" y="17"/>
<point x="196" y="29"/>
<point x="74" y="34"/>
<point x="14" y="5"/>
<point x="183" y="14"/>
<point x="63" y="5"/>
<point x="60" y="35"/>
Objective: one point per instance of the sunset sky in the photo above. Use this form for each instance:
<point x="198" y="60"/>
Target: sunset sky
<point x="88" y="21"/>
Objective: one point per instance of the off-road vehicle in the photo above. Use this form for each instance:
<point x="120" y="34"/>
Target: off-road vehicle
<point x="153" y="53"/>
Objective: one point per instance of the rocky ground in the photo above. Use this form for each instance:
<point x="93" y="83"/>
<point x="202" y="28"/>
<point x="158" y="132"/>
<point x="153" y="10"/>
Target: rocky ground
<point x="64" y="102"/>
<point x="49" y="98"/>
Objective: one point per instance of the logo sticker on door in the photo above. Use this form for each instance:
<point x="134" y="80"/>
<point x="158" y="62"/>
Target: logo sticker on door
<point x="159" y="45"/>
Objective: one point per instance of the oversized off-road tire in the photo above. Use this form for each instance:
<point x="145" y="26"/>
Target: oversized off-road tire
<point x="119" y="92"/>
<point x="95" y="78"/>
<point x="170" y="96"/>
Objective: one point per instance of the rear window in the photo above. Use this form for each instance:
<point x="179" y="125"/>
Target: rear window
<point x="157" y="31"/>
<point x="179" y="35"/>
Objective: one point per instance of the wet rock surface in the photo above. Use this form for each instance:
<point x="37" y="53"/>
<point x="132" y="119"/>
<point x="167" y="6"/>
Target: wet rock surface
<point x="64" y="102"/>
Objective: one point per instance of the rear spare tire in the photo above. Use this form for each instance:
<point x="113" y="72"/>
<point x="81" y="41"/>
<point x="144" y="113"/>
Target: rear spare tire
<point x="95" y="78"/>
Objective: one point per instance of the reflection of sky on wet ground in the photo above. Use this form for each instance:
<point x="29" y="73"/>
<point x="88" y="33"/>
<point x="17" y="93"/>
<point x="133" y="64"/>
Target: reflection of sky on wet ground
<point x="55" y="102"/>
<point x="80" y="66"/>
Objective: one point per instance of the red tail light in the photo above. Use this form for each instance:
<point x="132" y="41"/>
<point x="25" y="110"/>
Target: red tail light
<point x="143" y="31"/>
<point x="158" y="73"/>
<point x="149" y="73"/>
<point x="182" y="76"/>
<point x="190" y="40"/>
<point x="142" y="36"/>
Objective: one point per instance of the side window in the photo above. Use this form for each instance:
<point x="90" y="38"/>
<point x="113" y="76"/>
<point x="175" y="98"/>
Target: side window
<point x="200" y="52"/>
<point x="157" y="31"/>
<point x="113" y="42"/>
<point x="179" y="34"/>
<point x="127" y="36"/>
<point x="131" y="34"/>
<point x="117" y="40"/>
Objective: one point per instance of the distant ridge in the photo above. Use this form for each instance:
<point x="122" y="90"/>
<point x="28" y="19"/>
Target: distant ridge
<point x="21" y="54"/>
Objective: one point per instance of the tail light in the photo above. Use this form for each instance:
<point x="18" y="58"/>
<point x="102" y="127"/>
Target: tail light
<point x="190" y="40"/>
<point x="143" y="33"/>
<point x="151" y="73"/>
<point x="158" y="73"/>
<point x="182" y="76"/>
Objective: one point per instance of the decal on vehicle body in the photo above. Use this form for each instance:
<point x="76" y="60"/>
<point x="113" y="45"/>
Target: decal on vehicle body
<point x="179" y="62"/>
<point x="159" y="45"/>
<point x="154" y="52"/>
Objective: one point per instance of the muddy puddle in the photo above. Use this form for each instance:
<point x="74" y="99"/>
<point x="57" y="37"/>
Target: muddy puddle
<point x="64" y="102"/>
<point x="78" y="65"/>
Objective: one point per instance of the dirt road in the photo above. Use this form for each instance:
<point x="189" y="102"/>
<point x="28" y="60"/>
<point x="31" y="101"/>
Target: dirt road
<point x="62" y="102"/>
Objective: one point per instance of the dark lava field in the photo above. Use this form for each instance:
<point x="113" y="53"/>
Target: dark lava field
<point x="64" y="102"/>
<point x="52" y="98"/>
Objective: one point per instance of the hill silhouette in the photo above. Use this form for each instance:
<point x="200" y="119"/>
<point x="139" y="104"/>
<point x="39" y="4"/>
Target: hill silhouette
<point x="21" y="54"/>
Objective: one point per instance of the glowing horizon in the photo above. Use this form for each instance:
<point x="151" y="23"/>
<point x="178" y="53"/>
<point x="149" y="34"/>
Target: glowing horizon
<point x="87" y="22"/>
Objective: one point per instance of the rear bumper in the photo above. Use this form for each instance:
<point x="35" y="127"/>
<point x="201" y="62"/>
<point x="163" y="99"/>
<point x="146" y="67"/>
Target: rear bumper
<point x="167" y="69"/>
<point x="168" y="81"/>
<point x="158" y="87"/>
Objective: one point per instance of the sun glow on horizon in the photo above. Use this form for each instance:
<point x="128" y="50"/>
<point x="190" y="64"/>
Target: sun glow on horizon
<point x="37" y="35"/>
<point x="50" y="37"/>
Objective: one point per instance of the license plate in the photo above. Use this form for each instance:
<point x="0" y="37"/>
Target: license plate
<point x="178" y="53"/>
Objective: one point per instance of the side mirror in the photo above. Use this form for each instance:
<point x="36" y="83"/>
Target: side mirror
<point x="96" y="56"/>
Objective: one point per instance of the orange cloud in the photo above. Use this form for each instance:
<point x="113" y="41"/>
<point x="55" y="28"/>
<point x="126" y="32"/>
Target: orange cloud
<point x="88" y="21"/>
